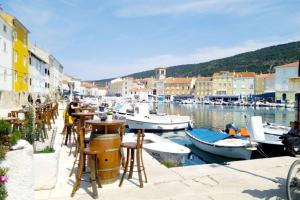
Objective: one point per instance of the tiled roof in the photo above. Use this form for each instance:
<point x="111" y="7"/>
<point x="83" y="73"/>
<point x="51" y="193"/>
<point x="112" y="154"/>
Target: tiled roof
<point x="244" y="74"/>
<point x="226" y="73"/>
<point x="269" y="75"/>
<point x="203" y="78"/>
<point x="178" y="80"/>
<point x="294" y="64"/>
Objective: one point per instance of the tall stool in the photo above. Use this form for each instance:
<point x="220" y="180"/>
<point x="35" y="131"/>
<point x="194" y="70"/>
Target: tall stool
<point x="92" y="160"/>
<point x="134" y="149"/>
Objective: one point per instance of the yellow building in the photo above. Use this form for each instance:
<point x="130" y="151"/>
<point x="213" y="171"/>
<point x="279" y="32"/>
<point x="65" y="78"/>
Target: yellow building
<point x="179" y="86"/>
<point x="222" y="83"/>
<point x="203" y="87"/>
<point x="19" y="53"/>
<point x="263" y="83"/>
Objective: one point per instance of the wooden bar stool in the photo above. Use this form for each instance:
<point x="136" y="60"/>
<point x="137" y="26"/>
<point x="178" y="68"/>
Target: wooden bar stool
<point x="134" y="149"/>
<point x="92" y="162"/>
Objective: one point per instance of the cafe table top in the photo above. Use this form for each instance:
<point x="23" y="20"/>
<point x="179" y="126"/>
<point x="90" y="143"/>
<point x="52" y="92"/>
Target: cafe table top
<point x="85" y="114"/>
<point x="99" y="122"/>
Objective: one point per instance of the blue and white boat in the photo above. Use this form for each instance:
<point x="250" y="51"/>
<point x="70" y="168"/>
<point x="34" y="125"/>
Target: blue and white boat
<point x="222" y="144"/>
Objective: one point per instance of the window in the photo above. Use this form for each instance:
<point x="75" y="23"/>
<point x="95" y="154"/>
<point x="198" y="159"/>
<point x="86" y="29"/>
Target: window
<point x="30" y="60"/>
<point x="45" y="85"/>
<point x="46" y="71"/>
<point x="15" y="35"/>
<point x="24" y="61"/>
<point x="4" y="46"/>
<point x="25" y="39"/>
<point x="4" y="28"/>
<point x="15" y="56"/>
<point x="30" y="80"/>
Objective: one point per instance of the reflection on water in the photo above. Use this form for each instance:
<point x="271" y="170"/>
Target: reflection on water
<point x="216" y="117"/>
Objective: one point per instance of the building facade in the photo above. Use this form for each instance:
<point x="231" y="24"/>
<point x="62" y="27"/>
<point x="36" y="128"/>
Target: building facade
<point x="179" y="86"/>
<point x="6" y="67"/>
<point x="243" y="83"/>
<point x="282" y="76"/>
<point x="264" y="83"/>
<point x="19" y="52"/>
<point x="56" y="75"/>
<point x="203" y="87"/>
<point x="222" y="83"/>
<point x="38" y="80"/>
<point x="115" y="87"/>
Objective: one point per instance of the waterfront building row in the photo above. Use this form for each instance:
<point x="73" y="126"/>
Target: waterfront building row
<point x="24" y="68"/>
<point x="284" y="82"/>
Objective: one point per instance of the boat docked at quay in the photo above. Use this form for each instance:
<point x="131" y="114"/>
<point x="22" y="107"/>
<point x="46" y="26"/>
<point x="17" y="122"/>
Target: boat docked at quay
<point x="162" y="149"/>
<point x="221" y="144"/>
<point x="141" y="118"/>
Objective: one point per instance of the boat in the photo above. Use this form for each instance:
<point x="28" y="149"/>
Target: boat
<point x="141" y="119"/>
<point x="221" y="144"/>
<point x="162" y="149"/>
<point x="268" y="139"/>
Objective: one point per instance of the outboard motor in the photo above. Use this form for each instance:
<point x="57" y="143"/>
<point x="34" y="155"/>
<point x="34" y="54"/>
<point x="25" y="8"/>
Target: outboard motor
<point x="230" y="126"/>
<point x="291" y="142"/>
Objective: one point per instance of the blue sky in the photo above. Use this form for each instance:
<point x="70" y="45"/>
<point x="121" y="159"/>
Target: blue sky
<point x="97" y="39"/>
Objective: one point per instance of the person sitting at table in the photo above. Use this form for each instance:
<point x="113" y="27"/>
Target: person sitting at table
<point x="68" y="125"/>
<point x="74" y="106"/>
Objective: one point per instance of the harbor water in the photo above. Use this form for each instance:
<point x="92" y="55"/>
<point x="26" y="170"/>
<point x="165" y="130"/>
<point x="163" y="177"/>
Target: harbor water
<point x="216" y="117"/>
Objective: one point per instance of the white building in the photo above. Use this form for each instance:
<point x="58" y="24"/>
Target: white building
<point x="141" y="94"/>
<point x="6" y="69"/>
<point x="115" y="87"/>
<point x="39" y="75"/>
<point x="282" y="76"/>
<point x="56" y="75"/>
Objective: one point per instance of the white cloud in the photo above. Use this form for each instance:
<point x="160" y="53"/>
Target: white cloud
<point x="167" y="7"/>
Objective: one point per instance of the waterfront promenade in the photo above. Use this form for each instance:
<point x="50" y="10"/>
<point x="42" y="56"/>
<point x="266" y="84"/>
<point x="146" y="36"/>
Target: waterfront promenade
<point x="253" y="179"/>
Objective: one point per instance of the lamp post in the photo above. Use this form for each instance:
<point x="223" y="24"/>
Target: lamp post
<point x="298" y="97"/>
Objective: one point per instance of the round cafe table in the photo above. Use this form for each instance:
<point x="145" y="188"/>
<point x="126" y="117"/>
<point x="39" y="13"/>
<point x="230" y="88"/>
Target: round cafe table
<point x="106" y="138"/>
<point x="82" y="118"/>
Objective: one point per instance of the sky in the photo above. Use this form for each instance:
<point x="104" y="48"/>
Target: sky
<point x="97" y="39"/>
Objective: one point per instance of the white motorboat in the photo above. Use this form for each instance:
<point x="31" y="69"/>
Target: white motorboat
<point x="162" y="149"/>
<point x="141" y="119"/>
<point x="221" y="144"/>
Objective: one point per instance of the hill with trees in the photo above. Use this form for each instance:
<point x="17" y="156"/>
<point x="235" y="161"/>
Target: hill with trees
<point x="259" y="61"/>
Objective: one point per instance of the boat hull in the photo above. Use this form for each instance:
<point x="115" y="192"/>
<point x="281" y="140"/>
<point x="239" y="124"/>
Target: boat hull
<point x="229" y="152"/>
<point x="135" y="124"/>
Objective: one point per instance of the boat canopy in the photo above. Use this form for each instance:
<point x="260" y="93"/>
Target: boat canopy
<point x="208" y="135"/>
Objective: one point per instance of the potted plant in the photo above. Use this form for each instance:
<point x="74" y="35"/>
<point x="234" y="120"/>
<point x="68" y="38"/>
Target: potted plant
<point x="109" y="116"/>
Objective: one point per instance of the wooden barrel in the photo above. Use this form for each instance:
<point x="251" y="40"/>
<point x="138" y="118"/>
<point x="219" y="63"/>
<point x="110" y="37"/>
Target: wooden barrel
<point x="109" y="158"/>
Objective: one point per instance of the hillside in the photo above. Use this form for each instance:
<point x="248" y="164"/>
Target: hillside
<point x="262" y="60"/>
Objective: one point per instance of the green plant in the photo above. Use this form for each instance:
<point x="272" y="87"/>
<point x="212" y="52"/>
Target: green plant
<point x="28" y="131"/>
<point x="3" y="171"/>
<point x="2" y="152"/>
<point x="3" y="192"/>
<point x="5" y="128"/>
<point x="15" y="137"/>
<point x="47" y="149"/>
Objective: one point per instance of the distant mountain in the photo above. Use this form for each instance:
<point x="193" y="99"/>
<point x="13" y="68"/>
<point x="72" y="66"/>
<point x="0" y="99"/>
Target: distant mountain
<point x="262" y="60"/>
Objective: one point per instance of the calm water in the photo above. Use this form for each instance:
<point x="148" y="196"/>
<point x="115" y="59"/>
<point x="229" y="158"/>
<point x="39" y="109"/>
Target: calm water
<point x="216" y="117"/>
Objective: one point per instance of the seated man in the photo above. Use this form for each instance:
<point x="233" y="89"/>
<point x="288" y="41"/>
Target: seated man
<point x="74" y="106"/>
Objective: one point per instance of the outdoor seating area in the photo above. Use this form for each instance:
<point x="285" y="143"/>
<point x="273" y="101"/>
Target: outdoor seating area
<point x="98" y="156"/>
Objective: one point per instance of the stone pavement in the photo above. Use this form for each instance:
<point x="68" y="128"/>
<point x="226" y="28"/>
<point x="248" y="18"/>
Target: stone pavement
<point x="253" y="179"/>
